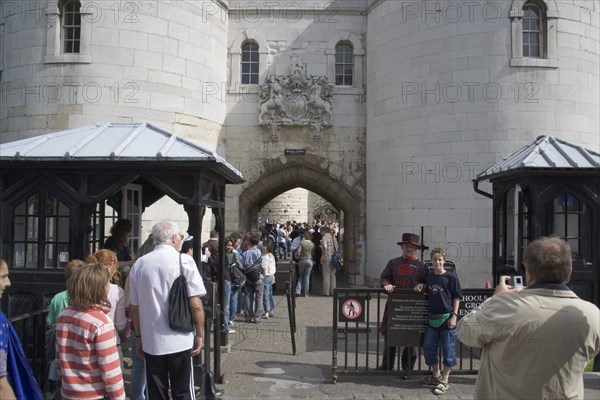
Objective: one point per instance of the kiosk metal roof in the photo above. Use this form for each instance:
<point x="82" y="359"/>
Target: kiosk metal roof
<point x="546" y="152"/>
<point x="116" y="142"/>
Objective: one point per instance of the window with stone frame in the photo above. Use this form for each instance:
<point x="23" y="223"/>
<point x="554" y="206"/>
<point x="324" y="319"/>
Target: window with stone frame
<point x="71" y="26"/>
<point x="68" y="32"/>
<point x="344" y="64"/>
<point x="533" y="30"/>
<point x="250" y="63"/>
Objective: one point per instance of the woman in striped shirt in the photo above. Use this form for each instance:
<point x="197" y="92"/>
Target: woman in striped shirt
<point x="86" y="349"/>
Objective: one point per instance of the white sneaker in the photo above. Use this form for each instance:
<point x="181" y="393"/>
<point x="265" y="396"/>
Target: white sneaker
<point x="266" y="316"/>
<point x="231" y="331"/>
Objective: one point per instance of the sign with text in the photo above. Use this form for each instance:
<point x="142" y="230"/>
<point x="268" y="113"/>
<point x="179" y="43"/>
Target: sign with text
<point x="294" y="152"/>
<point x="407" y="317"/>
<point x="471" y="299"/>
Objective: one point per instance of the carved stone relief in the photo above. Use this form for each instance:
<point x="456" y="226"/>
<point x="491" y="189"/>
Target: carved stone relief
<point x="295" y="99"/>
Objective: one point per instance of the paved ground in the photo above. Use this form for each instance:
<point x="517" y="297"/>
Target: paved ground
<point x="258" y="363"/>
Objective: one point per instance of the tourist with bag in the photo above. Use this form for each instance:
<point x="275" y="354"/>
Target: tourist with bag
<point x="167" y="352"/>
<point x="444" y="294"/>
<point x="254" y="289"/>
<point x="234" y="279"/>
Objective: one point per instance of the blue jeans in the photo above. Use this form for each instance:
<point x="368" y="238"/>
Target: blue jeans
<point x="240" y="302"/>
<point x="226" y="303"/>
<point x="233" y="304"/>
<point x="303" y="281"/>
<point x="268" y="302"/>
<point x="282" y="249"/>
<point x="138" y="373"/>
<point x="447" y="338"/>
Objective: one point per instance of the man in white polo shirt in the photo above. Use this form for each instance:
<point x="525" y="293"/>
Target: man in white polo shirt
<point x="168" y="353"/>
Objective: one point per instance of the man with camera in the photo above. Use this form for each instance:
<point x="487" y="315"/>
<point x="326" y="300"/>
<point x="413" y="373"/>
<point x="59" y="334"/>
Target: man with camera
<point x="535" y="341"/>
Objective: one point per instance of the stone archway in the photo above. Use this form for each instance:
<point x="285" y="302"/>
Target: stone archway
<point x="346" y="193"/>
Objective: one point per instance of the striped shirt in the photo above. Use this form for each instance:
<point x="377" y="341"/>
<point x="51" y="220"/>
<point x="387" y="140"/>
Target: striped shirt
<point x="86" y="355"/>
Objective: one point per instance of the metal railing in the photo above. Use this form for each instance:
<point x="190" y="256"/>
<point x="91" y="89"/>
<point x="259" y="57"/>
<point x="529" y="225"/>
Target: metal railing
<point x="357" y="345"/>
<point x="31" y="330"/>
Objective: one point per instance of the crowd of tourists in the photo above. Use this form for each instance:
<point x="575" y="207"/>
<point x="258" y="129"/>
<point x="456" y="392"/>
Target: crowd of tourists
<point x="308" y="246"/>
<point x="112" y="297"/>
<point x="107" y="303"/>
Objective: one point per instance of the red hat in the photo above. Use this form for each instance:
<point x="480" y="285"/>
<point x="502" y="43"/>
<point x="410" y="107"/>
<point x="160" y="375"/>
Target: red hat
<point x="411" y="238"/>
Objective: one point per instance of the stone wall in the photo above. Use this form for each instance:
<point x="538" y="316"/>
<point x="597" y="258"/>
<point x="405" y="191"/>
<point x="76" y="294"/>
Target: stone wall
<point x="139" y="61"/>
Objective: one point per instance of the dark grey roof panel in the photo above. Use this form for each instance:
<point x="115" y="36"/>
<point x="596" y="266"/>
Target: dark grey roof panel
<point x="546" y="152"/>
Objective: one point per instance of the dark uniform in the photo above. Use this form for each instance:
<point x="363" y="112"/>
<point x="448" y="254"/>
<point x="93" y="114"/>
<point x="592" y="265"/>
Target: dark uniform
<point x="402" y="273"/>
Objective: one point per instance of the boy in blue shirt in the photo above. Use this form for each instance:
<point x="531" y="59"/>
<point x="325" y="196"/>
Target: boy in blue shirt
<point x="443" y="289"/>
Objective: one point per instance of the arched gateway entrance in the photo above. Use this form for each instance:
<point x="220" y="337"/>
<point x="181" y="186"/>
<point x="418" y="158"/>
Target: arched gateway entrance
<point x="345" y="192"/>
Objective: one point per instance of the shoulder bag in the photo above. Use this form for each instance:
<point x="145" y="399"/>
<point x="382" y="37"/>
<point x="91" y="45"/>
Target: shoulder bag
<point x="180" y="316"/>
<point x="336" y="258"/>
<point x="253" y="271"/>
<point x="238" y="277"/>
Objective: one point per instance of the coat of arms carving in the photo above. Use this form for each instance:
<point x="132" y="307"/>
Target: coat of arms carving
<point x="296" y="99"/>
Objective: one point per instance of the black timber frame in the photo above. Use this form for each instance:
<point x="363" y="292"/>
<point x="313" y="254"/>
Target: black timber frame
<point x="81" y="185"/>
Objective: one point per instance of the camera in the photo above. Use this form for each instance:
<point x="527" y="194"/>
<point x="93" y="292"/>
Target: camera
<point x="516" y="281"/>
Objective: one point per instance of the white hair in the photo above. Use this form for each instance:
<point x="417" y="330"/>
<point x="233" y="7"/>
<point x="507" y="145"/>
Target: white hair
<point x="164" y="231"/>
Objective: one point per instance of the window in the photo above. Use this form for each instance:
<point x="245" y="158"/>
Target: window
<point x="534" y="25"/>
<point x="250" y="63"/>
<point x="345" y="57"/>
<point x="41" y="233"/>
<point x="69" y="32"/>
<point x="344" y="64"/>
<point x="532" y="31"/>
<point x="71" y="27"/>
<point x="567" y="212"/>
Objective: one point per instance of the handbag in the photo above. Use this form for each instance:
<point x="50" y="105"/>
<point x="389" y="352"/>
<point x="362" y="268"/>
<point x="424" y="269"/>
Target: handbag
<point x="180" y="315"/>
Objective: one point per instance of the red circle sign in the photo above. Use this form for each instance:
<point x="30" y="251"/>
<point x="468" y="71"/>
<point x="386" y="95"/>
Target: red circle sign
<point x="351" y="309"/>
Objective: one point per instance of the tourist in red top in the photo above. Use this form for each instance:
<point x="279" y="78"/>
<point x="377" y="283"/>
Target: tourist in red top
<point x="86" y="348"/>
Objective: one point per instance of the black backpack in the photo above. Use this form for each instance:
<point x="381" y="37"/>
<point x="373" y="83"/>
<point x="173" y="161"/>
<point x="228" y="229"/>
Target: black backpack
<point x="254" y="270"/>
<point x="237" y="275"/>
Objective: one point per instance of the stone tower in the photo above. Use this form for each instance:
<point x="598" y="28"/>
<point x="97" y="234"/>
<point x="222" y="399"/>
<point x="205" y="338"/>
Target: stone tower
<point x="427" y="94"/>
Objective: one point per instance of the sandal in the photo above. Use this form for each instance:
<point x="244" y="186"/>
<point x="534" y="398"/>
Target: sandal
<point x="430" y="380"/>
<point x="441" y="388"/>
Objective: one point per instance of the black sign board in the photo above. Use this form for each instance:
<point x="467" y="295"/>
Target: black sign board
<point x="407" y="316"/>
<point x="294" y="152"/>
<point x="471" y="299"/>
